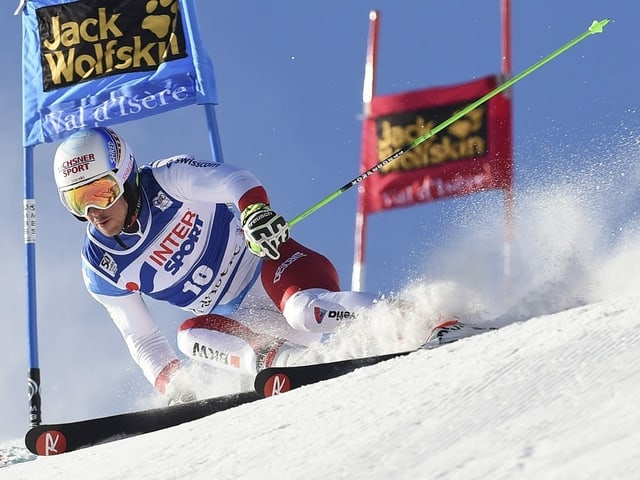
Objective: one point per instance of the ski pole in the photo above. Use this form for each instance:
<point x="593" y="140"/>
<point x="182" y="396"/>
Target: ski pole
<point x="596" y="27"/>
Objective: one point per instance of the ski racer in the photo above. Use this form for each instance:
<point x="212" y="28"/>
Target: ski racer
<point x="166" y="231"/>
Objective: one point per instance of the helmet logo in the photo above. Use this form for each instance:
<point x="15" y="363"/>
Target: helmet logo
<point x="112" y="151"/>
<point x="76" y="164"/>
<point x="128" y="169"/>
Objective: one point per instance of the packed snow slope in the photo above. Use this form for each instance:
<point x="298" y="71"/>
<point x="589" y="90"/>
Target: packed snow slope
<point x="552" y="394"/>
<point x="553" y="397"/>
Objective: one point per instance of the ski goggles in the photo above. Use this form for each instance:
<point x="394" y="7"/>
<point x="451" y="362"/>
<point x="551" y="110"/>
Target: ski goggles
<point x="100" y="193"/>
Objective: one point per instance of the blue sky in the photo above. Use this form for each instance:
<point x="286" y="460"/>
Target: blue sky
<point x="289" y="78"/>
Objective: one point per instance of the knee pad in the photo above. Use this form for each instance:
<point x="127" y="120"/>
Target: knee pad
<point x="211" y="339"/>
<point x="228" y="344"/>
<point x="318" y="310"/>
<point x="354" y="301"/>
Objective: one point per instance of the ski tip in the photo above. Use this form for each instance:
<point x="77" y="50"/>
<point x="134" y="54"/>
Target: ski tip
<point x="598" y="25"/>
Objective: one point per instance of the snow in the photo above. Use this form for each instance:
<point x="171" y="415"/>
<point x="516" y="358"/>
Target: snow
<point x="552" y="394"/>
<point x="551" y="397"/>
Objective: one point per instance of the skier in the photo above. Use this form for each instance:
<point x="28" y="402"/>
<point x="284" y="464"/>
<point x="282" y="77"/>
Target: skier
<point x="166" y="230"/>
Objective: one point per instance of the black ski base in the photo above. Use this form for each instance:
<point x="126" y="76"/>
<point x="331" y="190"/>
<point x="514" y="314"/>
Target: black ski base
<point x="53" y="439"/>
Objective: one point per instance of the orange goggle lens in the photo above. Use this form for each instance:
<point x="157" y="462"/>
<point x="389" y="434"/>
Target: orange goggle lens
<point x="100" y="193"/>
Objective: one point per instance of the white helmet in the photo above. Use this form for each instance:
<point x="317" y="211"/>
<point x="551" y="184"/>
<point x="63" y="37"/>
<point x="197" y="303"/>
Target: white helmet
<point x="94" y="168"/>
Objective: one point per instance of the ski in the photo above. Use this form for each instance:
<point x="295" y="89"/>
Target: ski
<point x="57" y="438"/>
<point x="276" y="380"/>
<point x="54" y="439"/>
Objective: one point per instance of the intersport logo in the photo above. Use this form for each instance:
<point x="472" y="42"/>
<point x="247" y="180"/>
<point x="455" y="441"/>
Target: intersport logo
<point x="178" y="243"/>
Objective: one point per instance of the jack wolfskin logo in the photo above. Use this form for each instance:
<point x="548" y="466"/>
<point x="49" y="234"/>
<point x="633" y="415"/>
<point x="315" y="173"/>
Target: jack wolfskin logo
<point x="87" y="39"/>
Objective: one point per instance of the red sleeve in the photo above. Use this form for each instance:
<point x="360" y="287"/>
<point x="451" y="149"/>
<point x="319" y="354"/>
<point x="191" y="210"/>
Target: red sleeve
<point x="254" y="195"/>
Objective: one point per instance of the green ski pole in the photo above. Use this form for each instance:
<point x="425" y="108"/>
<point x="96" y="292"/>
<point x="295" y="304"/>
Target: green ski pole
<point x="596" y="27"/>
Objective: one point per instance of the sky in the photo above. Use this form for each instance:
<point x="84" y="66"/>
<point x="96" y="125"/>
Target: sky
<point x="289" y="78"/>
<point x="553" y="397"/>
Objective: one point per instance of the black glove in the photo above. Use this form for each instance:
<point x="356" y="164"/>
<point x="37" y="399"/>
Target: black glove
<point x="264" y="230"/>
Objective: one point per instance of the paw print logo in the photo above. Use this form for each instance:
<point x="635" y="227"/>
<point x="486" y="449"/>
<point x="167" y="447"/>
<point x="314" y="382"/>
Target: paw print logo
<point x="161" y="14"/>
<point x="470" y="123"/>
